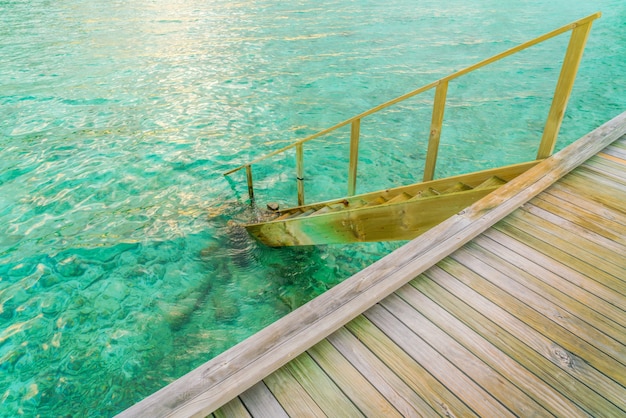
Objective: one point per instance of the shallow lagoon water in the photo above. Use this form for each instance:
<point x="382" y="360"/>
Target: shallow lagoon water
<point x="119" y="271"/>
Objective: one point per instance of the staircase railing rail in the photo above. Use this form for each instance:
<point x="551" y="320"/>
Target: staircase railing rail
<point x="573" y="55"/>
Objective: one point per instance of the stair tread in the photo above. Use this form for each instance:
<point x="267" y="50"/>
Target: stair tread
<point x="380" y="200"/>
<point x="334" y="207"/>
<point x="490" y="182"/>
<point x="426" y="193"/>
<point x="458" y="187"/>
<point x="305" y="213"/>
<point x="402" y="197"/>
<point x="288" y="214"/>
<point x="375" y="202"/>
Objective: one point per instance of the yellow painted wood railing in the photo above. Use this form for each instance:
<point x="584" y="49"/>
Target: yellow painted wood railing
<point x="580" y="32"/>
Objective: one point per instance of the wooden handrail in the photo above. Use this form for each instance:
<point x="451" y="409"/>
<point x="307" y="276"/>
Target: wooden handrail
<point x="354" y="155"/>
<point x="580" y="31"/>
<point x="435" y="130"/>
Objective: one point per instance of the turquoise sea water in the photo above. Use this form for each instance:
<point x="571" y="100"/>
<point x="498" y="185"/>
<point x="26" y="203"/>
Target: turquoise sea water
<point x="119" y="271"/>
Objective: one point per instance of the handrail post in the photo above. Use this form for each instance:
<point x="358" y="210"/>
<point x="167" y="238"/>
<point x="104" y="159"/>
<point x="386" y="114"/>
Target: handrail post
<point x="249" y="180"/>
<point x="563" y="90"/>
<point x="354" y="155"/>
<point x="435" y="130"/>
<point x="300" y="173"/>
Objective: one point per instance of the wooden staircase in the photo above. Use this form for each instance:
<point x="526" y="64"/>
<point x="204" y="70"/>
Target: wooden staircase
<point x="394" y="214"/>
<point x="403" y="213"/>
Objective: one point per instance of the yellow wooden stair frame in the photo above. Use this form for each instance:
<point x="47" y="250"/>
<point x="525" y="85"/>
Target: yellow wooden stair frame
<point x="405" y="212"/>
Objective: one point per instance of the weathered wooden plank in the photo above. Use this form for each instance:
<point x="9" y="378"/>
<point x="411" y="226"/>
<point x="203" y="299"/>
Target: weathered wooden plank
<point x="260" y="402"/>
<point x="605" y="193"/>
<point x="586" y="304"/>
<point x="322" y="389"/>
<point x="438" y="396"/>
<point x="606" y="167"/>
<point x="564" y="224"/>
<point x="523" y="378"/>
<point x="602" y="169"/>
<point x="616" y="151"/>
<point x="611" y="262"/>
<point x="567" y="261"/>
<point x="606" y="260"/>
<point x="464" y="360"/>
<point x="581" y="339"/>
<point x="291" y="395"/>
<point x="600" y="177"/>
<point x="582" y="315"/>
<point x="401" y="396"/>
<point x="443" y="370"/>
<point x="568" y="193"/>
<point x="621" y="142"/>
<point x="612" y="157"/>
<point x="578" y="358"/>
<point x="358" y="389"/>
<point x="232" y="409"/>
<point x="581" y="216"/>
<point x="216" y="382"/>
<point x="569" y="376"/>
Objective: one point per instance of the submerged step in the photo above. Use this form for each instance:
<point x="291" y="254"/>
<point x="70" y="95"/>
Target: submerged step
<point x="305" y="213"/>
<point x="287" y="215"/>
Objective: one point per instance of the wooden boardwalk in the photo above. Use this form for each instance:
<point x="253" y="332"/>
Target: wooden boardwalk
<point x="500" y="311"/>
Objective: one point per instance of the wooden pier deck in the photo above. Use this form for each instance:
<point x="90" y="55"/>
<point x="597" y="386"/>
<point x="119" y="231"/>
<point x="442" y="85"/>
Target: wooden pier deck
<point x="513" y="307"/>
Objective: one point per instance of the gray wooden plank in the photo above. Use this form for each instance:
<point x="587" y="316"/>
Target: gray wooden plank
<point x="261" y="403"/>
<point x="602" y="193"/>
<point x="435" y="310"/>
<point x="351" y="382"/>
<point x="447" y="373"/>
<point x="404" y="399"/>
<point x="604" y="259"/>
<point x="322" y="389"/>
<point x="585" y="304"/>
<point x="232" y="409"/>
<point x="564" y="262"/>
<point x="555" y="343"/>
<point x="438" y="396"/>
<point x="615" y="151"/>
<point x="584" y="232"/>
<point x="586" y="202"/>
<point x="577" y="213"/>
<point x="573" y="333"/>
<point x="291" y="395"/>
<point x="574" y="379"/>
<point x="479" y="371"/>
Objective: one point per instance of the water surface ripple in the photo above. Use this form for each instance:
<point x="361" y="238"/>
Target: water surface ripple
<point x="119" y="267"/>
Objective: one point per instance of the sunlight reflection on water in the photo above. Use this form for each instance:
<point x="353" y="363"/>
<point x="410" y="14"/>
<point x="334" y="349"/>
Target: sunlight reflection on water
<point x="119" y="267"/>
